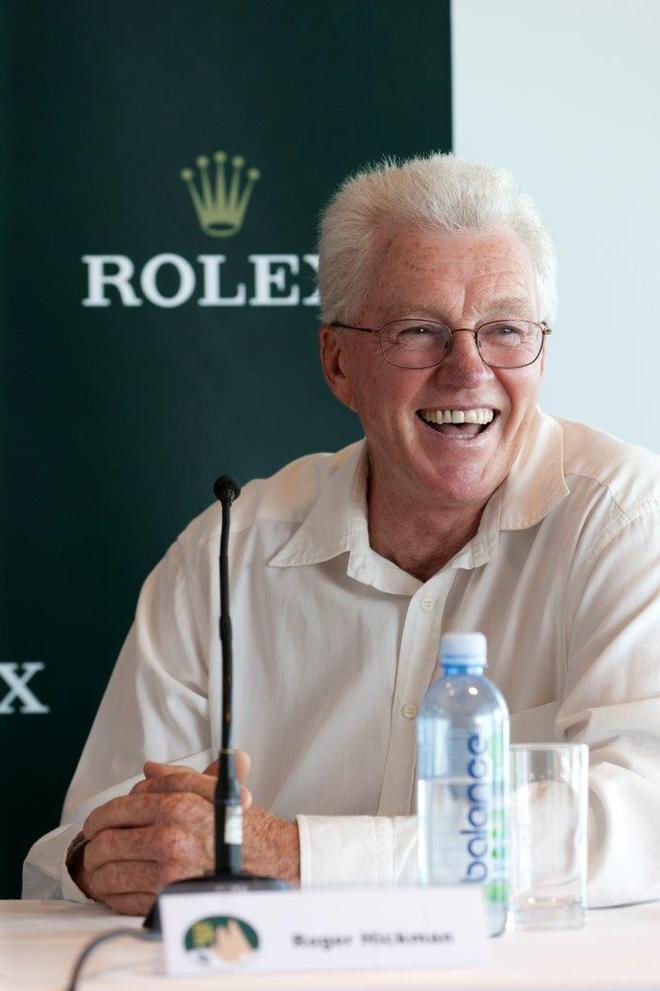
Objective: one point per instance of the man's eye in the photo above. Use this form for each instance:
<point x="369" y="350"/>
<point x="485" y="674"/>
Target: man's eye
<point x="419" y="330"/>
<point x="410" y="334"/>
<point x="504" y="333"/>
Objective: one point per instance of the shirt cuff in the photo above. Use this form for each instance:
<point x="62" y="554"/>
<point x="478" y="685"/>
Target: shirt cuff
<point x="357" y="850"/>
<point x="45" y="874"/>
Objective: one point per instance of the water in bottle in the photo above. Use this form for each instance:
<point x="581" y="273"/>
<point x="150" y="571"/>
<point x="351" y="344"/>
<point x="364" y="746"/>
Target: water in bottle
<point x="462" y="777"/>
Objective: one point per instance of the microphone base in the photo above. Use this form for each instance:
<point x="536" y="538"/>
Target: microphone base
<point x="213" y="882"/>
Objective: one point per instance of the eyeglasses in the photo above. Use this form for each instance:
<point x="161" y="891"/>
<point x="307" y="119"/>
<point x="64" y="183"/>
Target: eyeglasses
<point x="425" y="343"/>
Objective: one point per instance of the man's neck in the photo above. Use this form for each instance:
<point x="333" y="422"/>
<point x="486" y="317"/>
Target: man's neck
<point x="418" y="539"/>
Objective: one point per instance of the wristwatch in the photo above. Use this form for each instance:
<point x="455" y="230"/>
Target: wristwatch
<point x="74" y="854"/>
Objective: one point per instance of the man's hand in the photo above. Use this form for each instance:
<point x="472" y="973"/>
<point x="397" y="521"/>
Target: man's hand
<point x="137" y="843"/>
<point x="164" y="831"/>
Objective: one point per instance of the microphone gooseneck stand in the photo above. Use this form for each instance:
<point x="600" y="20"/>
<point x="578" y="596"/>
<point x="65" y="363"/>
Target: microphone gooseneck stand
<point x="227" y="800"/>
<point x="228" y="873"/>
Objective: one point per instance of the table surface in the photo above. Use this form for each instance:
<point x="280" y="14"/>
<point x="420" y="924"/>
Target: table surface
<point x="617" y="949"/>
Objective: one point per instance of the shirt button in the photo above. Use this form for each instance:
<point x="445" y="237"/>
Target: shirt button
<point x="426" y="604"/>
<point x="409" y="710"/>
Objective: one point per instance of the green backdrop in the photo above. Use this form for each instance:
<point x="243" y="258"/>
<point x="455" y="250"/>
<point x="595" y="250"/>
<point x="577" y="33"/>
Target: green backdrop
<point x="117" y="418"/>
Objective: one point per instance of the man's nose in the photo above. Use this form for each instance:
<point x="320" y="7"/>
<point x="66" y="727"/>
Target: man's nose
<point x="464" y="365"/>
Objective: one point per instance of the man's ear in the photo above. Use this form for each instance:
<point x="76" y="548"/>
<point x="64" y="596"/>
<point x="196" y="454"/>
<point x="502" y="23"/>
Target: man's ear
<point x="336" y="366"/>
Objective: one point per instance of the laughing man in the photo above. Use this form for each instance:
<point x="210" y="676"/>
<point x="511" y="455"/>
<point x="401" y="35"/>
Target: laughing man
<point x="464" y="508"/>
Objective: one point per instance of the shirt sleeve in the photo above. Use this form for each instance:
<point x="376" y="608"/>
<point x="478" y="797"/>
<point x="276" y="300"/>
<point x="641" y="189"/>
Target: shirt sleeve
<point x="612" y="703"/>
<point x="155" y="708"/>
<point x="359" y="850"/>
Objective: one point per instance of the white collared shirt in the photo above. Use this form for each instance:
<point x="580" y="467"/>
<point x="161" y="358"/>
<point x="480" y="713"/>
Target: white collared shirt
<point x="334" y="647"/>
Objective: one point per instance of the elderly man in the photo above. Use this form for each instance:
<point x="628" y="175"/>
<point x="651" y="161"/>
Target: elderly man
<point x="464" y="508"/>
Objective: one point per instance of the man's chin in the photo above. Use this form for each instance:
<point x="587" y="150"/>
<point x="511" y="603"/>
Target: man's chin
<point x="463" y="495"/>
<point x="468" y="485"/>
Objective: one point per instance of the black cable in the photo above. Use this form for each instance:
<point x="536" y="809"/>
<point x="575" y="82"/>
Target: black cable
<point x="104" y="937"/>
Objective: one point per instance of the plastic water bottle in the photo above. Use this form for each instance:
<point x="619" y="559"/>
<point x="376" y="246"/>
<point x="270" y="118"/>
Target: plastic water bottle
<point x="462" y="777"/>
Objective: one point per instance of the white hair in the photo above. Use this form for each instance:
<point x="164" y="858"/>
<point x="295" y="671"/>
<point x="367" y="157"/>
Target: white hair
<point x="437" y="193"/>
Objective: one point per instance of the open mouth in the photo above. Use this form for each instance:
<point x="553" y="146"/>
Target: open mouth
<point x="459" y="423"/>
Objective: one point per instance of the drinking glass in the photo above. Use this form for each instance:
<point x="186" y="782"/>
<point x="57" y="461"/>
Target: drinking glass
<point x="548" y="835"/>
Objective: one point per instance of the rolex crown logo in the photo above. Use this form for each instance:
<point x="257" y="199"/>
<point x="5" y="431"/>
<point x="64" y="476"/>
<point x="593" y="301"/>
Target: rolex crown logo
<point x="221" y="204"/>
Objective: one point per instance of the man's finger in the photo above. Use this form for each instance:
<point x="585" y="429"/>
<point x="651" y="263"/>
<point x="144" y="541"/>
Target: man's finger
<point x="185" y="781"/>
<point x="154" y="769"/>
<point x="129" y="877"/>
<point x="125" y="811"/>
<point x="160" y="801"/>
<point x="164" y="844"/>
<point x="243" y="765"/>
<point x="188" y="809"/>
<point x="126" y="877"/>
<point x="113" y="845"/>
<point x="191" y="783"/>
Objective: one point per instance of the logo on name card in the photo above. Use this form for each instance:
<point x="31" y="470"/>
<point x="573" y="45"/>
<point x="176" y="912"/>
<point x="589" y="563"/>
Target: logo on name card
<point x="221" y="940"/>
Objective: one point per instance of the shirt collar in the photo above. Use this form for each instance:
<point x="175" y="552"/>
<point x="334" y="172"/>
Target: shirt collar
<point x="339" y="513"/>
<point x="534" y="486"/>
<point x="536" y="482"/>
<point x="337" y="522"/>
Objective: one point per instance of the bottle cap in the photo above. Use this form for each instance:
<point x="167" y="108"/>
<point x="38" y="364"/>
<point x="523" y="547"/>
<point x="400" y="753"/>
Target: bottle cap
<point x="463" y="650"/>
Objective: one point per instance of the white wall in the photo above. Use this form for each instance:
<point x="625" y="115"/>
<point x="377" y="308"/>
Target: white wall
<point x="566" y="94"/>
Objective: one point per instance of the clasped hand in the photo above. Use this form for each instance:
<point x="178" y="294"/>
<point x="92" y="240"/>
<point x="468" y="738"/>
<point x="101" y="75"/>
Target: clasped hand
<point x="164" y="831"/>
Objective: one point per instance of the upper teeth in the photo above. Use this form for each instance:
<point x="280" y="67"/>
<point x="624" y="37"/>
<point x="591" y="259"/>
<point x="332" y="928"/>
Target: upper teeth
<point x="482" y="416"/>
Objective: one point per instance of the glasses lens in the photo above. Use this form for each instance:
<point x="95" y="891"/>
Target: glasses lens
<point x="510" y="343"/>
<point x="414" y="343"/>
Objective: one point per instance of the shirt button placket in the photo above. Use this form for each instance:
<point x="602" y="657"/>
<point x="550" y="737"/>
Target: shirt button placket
<point x="417" y="656"/>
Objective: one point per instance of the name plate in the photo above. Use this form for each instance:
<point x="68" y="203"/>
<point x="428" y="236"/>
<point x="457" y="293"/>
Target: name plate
<point x="325" y="929"/>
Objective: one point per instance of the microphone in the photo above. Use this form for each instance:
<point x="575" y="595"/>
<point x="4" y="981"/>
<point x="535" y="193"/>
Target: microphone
<point x="228" y="871"/>
<point x="227" y="801"/>
<point x="226" y="490"/>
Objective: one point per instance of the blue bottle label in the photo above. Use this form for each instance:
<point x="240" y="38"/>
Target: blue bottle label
<point x="480" y="773"/>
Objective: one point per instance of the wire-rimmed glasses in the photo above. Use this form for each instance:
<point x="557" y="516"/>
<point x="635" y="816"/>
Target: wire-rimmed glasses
<point x="425" y="343"/>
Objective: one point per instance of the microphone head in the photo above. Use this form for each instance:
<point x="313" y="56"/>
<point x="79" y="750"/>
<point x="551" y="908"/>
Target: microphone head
<point x="226" y="489"/>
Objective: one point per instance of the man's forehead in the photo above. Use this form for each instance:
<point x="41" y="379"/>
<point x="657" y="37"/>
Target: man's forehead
<point x="394" y="242"/>
<point x="412" y="267"/>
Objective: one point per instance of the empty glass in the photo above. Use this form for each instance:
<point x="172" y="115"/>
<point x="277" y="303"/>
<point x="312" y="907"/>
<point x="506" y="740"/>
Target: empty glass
<point x="548" y="835"/>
